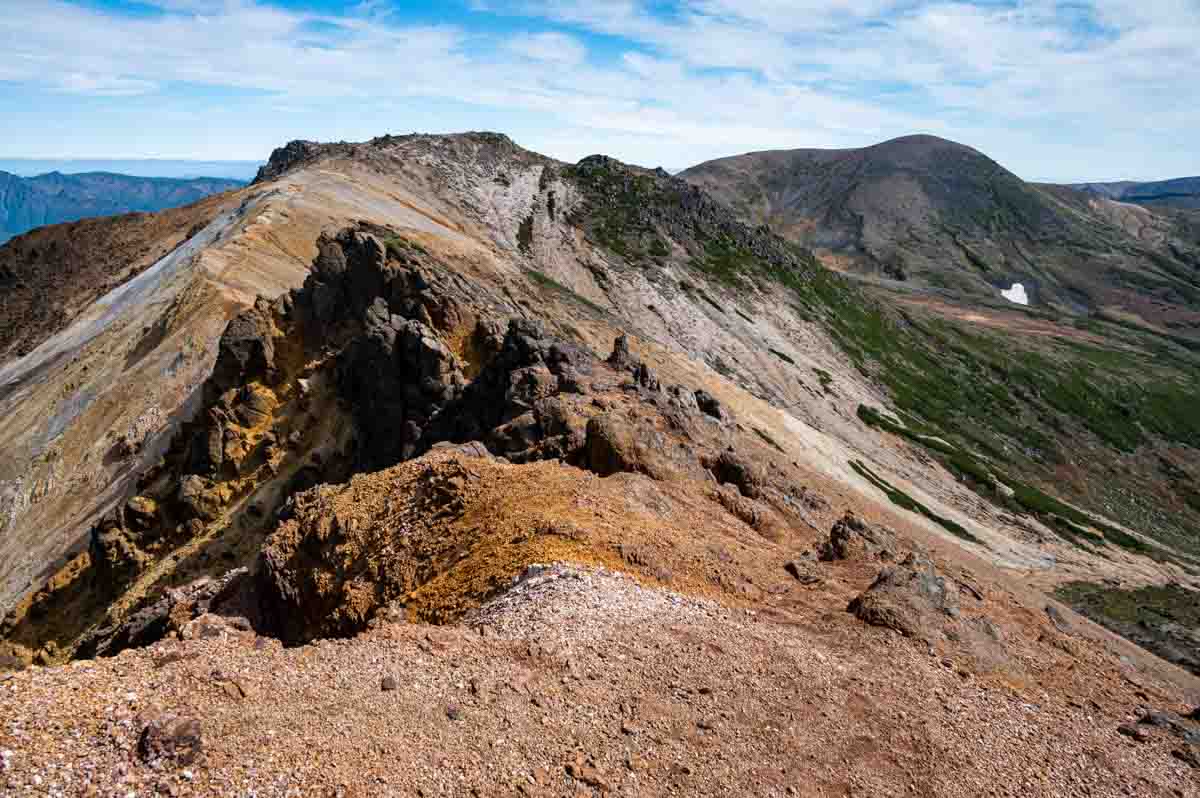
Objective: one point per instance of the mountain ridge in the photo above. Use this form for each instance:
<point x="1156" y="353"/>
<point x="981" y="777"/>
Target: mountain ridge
<point x="466" y="426"/>
<point x="55" y="197"/>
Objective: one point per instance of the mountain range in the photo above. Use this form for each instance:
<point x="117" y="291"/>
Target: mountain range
<point x="29" y="202"/>
<point x="945" y="216"/>
<point x="1182" y="192"/>
<point x="430" y="464"/>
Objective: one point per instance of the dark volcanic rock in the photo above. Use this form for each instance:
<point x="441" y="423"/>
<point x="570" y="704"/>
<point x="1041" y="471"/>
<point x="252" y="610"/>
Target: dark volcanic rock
<point x="710" y="406"/>
<point x="224" y="595"/>
<point x="247" y="351"/>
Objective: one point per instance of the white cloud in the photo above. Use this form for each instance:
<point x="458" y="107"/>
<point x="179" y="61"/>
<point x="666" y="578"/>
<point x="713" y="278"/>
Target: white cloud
<point x="1042" y="85"/>
<point x="105" y="85"/>
<point x="549" y="47"/>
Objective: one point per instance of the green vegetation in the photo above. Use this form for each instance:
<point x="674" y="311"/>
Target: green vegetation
<point x="826" y="380"/>
<point x="1157" y="617"/>
<point x="1000" y="409"/>
<point x="726" y="263"/>
<point x="659" y="248"/>
<point x="902" y="499"/>
<point x="1070" y="522"/>
<point x="400" y="247"/>
<point x="1151" y="604"/>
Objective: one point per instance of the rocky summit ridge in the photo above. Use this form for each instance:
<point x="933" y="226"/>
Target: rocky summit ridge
<point x="431" y="465"/>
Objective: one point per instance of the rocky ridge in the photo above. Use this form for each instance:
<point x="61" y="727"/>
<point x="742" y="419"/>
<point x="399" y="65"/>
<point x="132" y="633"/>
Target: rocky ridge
<point x="383" y="461"/>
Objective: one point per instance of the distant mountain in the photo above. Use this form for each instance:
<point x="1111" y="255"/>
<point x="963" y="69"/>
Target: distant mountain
<point x="142" y="167"/>
<point x="29" y="202"/>
<point x="940" y="214"/>
<point x="1181" y="192"/>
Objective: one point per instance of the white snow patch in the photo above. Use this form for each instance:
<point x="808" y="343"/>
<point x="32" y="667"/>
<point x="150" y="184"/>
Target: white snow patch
<point x="1016" y="294"/>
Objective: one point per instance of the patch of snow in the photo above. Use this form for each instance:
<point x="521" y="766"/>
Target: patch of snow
<point x="1016" y="294"/>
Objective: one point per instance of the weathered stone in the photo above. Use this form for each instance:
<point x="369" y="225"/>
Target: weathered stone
<point x="729" y="468"/>
<point x="1188" y="755"/>
<point x="802" y="572"/>
<point x="246" y="352"/>
<point x="200" y="498"/>
<point x="172" y="739"/>
<point x="1137" y="733"/>
<point x="710" y="406"/>
<point x="909" y="598"/>
<point x="852" y="538"/>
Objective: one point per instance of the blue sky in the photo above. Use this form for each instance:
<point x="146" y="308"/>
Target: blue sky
<point x="1078" y="90"/>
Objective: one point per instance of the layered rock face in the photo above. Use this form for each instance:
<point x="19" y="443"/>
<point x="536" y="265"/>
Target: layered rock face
<point x="382" y="356"/>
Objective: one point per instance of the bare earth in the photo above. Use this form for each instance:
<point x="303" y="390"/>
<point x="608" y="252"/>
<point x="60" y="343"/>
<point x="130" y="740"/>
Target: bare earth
<point x="581" y="682"/>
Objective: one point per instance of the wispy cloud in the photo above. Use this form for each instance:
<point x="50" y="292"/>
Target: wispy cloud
<point x="1040" y="83"/>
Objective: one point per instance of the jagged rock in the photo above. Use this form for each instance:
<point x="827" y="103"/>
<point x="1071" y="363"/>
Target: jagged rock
<point x="710" y="406"/>
<point x="472" y="449"/>
<point x="172" y="739"/>
<point x="1188" y="755"/>
<point x="621" y="358"/>
<point x="255" y="404"/>
<point x="169" y="614"/>
<point x="113" y="550"/>
<point x="802" y="572"/>
<point x="910" y="598"/>
<point x="1134" y="732"/>
<point x="682" y="399"/>
<point x="200" y="498"/>
<point x="644" y="377"/>
<point x="730" y="468"/>
<point x="288" y="157"/>
<point x="1058" y="619"/>
<point x="246" y="353"/>
<point x="851" y="538"/>
<point x="527" y="370"/>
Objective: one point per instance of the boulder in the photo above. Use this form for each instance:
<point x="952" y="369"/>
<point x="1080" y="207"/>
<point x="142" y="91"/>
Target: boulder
<point x="200" y="498"/>
<point x="710" y="406"/>
<point x="851" y="538"/>
<point x="141" y="512"/>
<point x="171" y="739"/>
<point x="246" y="352"/>
<point x="730" y="468"/>
<point x="910" y="598"/>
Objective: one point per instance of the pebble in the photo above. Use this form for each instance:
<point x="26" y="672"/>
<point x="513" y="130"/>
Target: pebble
<point x="388" y="683"/>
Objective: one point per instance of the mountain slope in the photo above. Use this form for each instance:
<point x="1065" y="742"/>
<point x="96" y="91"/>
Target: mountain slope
<point x="942" y="215"/>
<point x="469" y="361"/>
<point x="1180" y="192"/>
<point x="29" y="202"/>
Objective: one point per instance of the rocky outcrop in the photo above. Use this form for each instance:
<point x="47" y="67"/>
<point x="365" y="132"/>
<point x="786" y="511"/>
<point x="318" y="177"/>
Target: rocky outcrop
<point x="910" y="598"/>
<point x="226" y="595"/>
<point x="851" y="538"/>
<point x="381" y="357"/>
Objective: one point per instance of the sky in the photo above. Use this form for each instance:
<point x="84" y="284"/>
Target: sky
<point x="1061" y="91"/>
